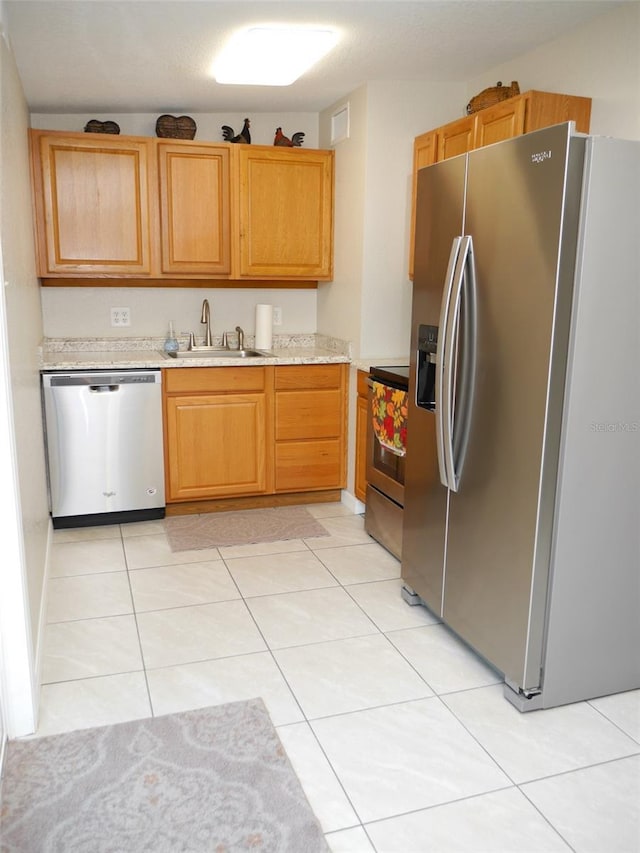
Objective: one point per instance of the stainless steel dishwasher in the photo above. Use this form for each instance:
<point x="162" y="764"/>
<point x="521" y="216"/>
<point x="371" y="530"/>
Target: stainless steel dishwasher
<point x="104" y="446"/>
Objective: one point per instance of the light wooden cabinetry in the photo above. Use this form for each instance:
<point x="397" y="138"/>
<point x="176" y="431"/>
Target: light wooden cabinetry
<point x="529" y="111"/>
<point x="502" y="121"/>
<point x="217" y="435"/>
<point x="251" y="431"/>
<point x="92" y="201"/>
<point x="455" y="138"/>
<point x="175" y="212"/>
<point x="310" y="421"/>
<point x="362" y="421"/>
<point x="195" y="211"/>
<point x="285" y="213"/>
<point x="310" y="427"/>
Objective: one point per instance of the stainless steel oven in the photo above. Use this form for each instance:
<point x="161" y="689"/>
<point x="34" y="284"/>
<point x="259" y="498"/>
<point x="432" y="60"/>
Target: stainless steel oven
<point x="385" y="466"/>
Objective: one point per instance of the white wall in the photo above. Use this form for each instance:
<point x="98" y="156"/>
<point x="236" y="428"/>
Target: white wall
<point x="25" y="519"/>
<point x="85" y="312"/>
<point x="600" y="60"/>
<point x="339" y="301"/>
<point x="397" y="113"/>
<point x="370" y="298"/>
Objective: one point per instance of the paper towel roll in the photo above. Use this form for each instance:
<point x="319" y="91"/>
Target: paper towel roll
<point x="264" y="326"/>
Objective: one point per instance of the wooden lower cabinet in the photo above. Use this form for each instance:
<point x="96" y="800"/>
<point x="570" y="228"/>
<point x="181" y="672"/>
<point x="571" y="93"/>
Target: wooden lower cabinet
<point x="249" y="431"/>
<point x="310" y="427"/>
<point x="362" y="421"/>
<point x="303" y="466"/>
<point x="217" y="435"/>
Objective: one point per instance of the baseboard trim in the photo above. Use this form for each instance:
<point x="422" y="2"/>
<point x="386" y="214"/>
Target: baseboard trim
<point x="356" y="506"/>
<point x="252" y="502"/>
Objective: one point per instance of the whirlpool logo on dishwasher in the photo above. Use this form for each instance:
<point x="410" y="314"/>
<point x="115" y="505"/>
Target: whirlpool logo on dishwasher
<point x="540" y="156"/>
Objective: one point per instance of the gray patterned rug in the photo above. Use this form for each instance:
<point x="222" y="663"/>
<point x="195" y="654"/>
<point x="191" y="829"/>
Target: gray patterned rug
<point x="215" y="780"/>
<point x="241" y="527"/>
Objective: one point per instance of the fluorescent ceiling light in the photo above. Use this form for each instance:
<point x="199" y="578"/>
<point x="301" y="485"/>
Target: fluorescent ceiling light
<point x="271" y="56"/>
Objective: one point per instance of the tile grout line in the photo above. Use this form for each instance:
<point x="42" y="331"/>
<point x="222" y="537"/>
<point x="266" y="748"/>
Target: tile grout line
<point x="305" y="719"/>
<point x="135" y="617"/>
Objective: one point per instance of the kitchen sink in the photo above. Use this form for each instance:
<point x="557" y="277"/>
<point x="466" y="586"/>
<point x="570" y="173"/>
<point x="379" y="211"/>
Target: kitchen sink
<point x="218" y="353"/>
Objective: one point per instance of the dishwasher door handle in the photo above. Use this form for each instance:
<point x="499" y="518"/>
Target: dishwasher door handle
<point x="103" y="389"/>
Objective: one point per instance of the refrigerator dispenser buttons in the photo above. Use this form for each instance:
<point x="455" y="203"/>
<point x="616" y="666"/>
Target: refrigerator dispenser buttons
<point x="426" y="367"/>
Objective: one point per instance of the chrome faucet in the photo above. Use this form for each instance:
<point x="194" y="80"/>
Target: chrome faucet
<point x="240" y="337"/>
<point x="205" y="318"/>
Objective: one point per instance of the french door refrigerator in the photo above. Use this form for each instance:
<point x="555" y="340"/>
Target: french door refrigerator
<point x="522" y="495"/>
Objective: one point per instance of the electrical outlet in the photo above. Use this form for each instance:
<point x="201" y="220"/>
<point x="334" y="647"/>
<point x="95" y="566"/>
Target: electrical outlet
<point x="277" y="316"/>
<point x="120" y="317"/>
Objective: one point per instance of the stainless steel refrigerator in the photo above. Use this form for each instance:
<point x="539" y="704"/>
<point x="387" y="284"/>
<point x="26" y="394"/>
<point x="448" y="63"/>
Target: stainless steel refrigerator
<point x="522" y="494"/>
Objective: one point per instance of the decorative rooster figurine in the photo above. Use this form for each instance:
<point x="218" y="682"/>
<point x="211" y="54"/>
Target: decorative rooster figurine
<point x="295" y="142"/>
<point x="244" y="137"/>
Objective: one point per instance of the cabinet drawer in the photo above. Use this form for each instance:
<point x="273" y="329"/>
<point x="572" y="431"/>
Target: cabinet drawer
<point x="308" y="414"/>
<point x="194" y="380"/>
<point x="306" y="465"/>
<point x="303" y="376"/>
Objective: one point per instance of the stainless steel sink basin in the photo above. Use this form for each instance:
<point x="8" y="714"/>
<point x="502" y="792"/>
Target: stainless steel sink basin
<point x="217" y="353"/>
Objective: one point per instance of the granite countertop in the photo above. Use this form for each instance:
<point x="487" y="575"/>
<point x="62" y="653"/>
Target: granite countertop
<point x="146" y="353"/>
<point x="385" y="361"/>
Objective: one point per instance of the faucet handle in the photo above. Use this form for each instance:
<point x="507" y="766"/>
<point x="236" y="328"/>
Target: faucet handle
<point x="192" y="340"/>
<point x="225" y="342"/>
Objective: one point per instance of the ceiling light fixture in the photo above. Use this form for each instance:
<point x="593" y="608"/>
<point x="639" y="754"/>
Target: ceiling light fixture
<point x="271" y="56"/>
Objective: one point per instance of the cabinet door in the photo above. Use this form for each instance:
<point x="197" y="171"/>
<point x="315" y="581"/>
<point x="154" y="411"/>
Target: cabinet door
<point x="216" y="445"/>
<point x="502" y="121"/>
<point x="425" y="150"/>
<point x="285" y="213"/>
<point x="362" y="422"/>
<point x="455" y="138"/>
<point x="95" y="205"/>
<point x="194" y="208"/>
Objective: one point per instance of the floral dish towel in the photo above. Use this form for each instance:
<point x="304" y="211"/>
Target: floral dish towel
<point x="389" y="411"/>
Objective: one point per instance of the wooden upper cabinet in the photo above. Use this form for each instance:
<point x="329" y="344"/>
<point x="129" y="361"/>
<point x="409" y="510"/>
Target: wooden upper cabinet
<point x="92" y="204"/>
<point x="529" y="111"/>
<point x="542" y="109"/>
<point x="285" y="213"/>
<point x="142" y="208"/>
<point x="195" y="212"/>
<point x="425" y="152"/>
<point x="455" y="138"/>
<point x="499" y="122"/>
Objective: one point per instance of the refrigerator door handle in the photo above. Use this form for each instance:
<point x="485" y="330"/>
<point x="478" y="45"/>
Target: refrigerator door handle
<point x="465" y="376"/>
<point x="442" y="363"/>
<point x="462" y="372"/>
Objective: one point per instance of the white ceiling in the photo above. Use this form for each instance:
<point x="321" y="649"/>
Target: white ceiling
<point x="114" y="56"/>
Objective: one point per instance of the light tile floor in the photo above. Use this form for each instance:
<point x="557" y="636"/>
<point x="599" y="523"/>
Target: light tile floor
<point x="400" y="735"/>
